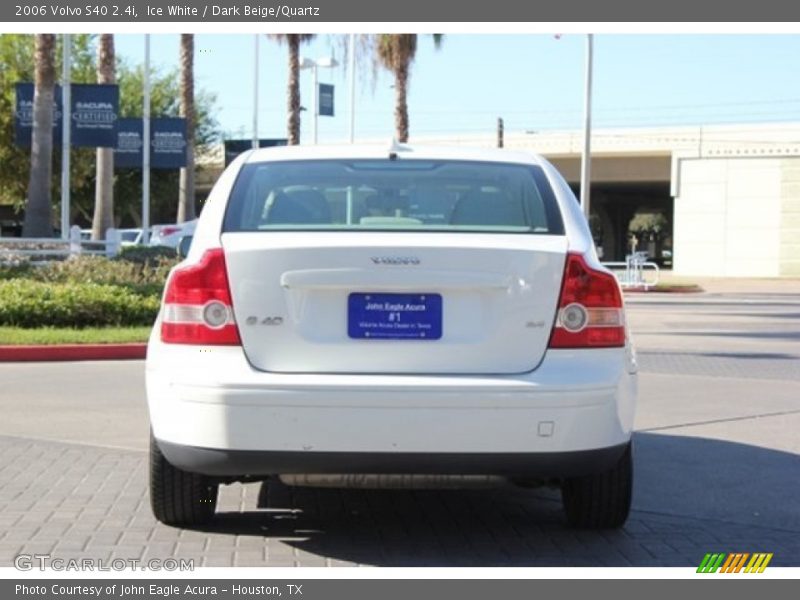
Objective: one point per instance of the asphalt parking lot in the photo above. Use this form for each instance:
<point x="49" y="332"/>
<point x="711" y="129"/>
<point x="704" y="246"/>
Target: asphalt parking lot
<point x="717" y="458"/>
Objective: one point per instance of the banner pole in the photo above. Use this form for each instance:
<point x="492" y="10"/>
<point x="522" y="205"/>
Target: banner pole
<point x="66" y="97"/>
<point x="255" y="93"/>
<point x="146" y="144"/>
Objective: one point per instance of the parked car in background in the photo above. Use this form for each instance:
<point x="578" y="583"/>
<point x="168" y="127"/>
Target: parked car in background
<point x="130" y="237"/>
<point x="170" y="235"/>
<point x="391" y="311"/>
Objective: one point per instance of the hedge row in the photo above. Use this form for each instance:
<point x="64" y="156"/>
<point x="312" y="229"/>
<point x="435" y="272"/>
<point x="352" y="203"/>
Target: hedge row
<point x="29" y="303"/>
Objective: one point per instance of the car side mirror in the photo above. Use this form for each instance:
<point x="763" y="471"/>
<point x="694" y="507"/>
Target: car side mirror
<point x="184" y="244"/>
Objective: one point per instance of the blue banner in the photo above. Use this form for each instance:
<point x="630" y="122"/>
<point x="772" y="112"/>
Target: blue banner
<point x="23" y="114"/>
<point x="94" y="113"/>
<point x="325" y="100"/>
<point x="128" y="151"/>
<point x="167" y="143"/>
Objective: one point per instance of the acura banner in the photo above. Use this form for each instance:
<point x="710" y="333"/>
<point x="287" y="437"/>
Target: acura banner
<point x="23" y="114"/>
<point x="94" y="111"/>
<point x="167" y="143"/>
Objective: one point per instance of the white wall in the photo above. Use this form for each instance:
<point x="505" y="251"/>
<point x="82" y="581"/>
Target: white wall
<point x="728" y="217"/>
<point x="790" y="219"/>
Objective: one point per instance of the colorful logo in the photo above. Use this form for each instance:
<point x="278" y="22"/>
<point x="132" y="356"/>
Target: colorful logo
<point x="734" y="562"/>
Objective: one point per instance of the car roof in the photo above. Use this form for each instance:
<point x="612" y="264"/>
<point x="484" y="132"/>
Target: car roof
<point x="382" y="151"/>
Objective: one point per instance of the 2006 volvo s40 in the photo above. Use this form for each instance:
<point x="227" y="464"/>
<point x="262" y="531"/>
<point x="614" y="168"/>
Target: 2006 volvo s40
<point x="391" y="310"/>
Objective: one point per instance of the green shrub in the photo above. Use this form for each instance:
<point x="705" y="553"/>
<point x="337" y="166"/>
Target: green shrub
<point x="143" y="278"/>
<point x="15" y="270"/>
<point x="26" y="303"/>
<point x="146" y="254"/>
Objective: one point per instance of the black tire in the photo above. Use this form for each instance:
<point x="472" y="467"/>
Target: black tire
<point x="601" y="500"/>
<point x="178" y="497"/>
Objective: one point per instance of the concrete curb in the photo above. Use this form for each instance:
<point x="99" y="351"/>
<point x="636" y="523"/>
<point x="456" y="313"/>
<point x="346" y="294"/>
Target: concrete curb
<point x="68" y="352"/>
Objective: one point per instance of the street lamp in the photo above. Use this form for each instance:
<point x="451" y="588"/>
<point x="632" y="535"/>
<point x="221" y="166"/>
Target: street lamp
<point x="586" y="156"/>
<point x="325" y="63"/>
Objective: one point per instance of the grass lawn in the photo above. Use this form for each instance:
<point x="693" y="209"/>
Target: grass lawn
<point x="17" y="336"/>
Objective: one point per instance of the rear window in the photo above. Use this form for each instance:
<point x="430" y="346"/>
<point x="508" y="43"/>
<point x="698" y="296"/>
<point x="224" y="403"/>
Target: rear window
<point x="392" y="195"/>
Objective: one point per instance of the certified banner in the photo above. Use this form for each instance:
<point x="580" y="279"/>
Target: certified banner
<point x="94" y="114"/>
<point x="128" y="150"/>
<point x="94" y="110"/>
<point x="167" y="143"/>
<point x="23" y="114"/>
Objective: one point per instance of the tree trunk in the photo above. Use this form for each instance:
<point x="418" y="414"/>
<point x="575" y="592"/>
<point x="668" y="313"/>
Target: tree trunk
<point x="104" y="180"/>
<point x="186" y="201"/>
<point x="401" y="103"/>
<point x="38" y="210"/>
<point x="293" y="41"/>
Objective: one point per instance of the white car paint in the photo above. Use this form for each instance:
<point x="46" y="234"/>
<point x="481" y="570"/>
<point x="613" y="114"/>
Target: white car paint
<point x="491" y="386"/>
<point x="574" y="400"/>
<point x="485" y="278"/>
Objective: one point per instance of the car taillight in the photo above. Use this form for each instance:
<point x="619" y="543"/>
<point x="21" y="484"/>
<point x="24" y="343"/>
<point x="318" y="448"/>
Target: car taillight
<point x="589" y="310"/>
<point x="197" y="304"/>
<point x="165" y="231"/>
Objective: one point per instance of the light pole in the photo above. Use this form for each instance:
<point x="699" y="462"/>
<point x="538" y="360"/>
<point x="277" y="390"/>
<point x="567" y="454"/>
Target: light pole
<point x="352" y="74"/>
<point x="65" y="134"/>
<point x="146" y="144"/>
<point x="587" y="131"/>
<point x="306" y="63"/>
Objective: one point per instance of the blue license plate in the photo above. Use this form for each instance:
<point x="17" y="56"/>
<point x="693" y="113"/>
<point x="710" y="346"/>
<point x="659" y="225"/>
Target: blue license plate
<point x="394" y="316"/>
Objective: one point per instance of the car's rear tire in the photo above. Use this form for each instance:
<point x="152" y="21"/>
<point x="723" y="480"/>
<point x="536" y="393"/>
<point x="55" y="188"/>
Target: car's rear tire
<point x="600" y="500"/>
<point x="178" y="497"/>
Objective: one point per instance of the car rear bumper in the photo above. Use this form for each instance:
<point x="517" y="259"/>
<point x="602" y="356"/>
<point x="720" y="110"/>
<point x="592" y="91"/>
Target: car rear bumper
<point x="213" y="413"/>
<point x="210" y="461"/>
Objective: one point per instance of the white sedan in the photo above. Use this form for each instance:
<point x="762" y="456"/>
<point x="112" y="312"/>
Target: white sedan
<point x="391" y="311"/>
<point x="170" y="235"/>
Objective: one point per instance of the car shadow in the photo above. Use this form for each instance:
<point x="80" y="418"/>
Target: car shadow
<point x="691" y="496"/>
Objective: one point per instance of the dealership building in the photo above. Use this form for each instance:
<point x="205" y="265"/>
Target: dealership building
<point x="728" y="195"/>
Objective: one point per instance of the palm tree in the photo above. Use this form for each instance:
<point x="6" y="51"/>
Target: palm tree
<point x="395" y="53"/>
<point x="186" y="211"/>
<point x="293" y="41"/>
<point x="38" y="210"/>
<point x="103" y="218"/>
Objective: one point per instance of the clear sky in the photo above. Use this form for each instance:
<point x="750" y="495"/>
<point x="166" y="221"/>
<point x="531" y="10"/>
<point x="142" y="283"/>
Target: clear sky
<point x="534" y="82"/>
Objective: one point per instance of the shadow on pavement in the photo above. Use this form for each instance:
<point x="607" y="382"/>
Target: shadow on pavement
<point x="691" y="496"/>
<point x="755" y="355"/>
<point x="767" y="335"/>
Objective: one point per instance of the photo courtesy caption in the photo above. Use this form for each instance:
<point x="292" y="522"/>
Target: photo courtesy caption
<point x="153" y="589"/>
